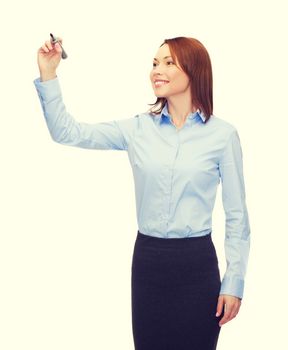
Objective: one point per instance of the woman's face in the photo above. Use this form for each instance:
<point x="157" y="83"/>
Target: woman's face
<point x="171" y="79"/>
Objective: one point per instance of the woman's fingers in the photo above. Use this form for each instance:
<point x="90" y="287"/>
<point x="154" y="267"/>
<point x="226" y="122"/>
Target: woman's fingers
<point x="232" y="306"/>
<point x="44" y="48"/>
<point x="227" y="315"/>
<point x="220" y="305"/>
<point x="47" y="46"/>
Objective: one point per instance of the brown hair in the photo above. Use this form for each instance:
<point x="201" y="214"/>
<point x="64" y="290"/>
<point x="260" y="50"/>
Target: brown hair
<point x="194" y="60"/>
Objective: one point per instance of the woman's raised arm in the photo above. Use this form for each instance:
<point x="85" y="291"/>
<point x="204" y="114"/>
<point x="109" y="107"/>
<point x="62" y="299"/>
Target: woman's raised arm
<point x="62" y="126"/>
<point x="66" y="130"/>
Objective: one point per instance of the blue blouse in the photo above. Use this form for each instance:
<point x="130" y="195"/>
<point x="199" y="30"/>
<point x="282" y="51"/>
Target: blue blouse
<point x="176" y="172"/>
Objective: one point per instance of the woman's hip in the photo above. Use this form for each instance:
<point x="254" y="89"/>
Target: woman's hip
<point x="175" y="261"/>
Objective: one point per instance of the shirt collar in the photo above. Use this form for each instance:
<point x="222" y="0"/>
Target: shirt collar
<point x="192" y="115"/>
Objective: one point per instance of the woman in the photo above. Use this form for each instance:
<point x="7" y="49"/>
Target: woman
<point x="178" y="151"/>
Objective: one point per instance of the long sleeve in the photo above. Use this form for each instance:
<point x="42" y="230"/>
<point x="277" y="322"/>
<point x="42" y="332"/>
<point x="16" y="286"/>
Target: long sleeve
<point x="66" y="130"/>
<point x="237" y="227"/>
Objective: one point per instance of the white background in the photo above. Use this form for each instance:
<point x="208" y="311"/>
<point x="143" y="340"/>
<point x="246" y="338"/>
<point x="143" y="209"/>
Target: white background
<point x="68" y="217"/>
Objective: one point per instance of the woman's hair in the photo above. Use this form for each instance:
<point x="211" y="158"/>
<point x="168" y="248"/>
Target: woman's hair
<point x="194" y="60"/>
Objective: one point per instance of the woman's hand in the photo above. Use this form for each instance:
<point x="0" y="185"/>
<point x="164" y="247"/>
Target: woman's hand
<point x="232" y="306"/>
<point x="49" y="57"/>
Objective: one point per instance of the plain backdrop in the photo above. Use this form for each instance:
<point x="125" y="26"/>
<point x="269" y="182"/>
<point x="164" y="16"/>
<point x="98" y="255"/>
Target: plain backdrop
<point x="68" y="216"/>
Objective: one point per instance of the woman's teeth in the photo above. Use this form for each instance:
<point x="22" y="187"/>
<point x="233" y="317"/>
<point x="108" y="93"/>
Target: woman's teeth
<point x="160" y="82"/>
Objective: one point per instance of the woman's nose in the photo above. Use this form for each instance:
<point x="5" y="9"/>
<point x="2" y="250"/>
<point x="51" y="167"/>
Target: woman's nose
<point x="157" y="72"/>
<point x="158" y="69"/>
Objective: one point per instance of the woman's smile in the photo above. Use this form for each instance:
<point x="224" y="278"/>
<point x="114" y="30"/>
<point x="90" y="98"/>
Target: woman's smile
<point x="159" y="82"/>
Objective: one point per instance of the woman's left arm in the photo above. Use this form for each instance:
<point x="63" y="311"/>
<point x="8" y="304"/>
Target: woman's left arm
<point x="237" y="227"/>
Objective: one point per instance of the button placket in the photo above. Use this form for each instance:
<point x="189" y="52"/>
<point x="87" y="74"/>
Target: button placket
<point x="172" y="171"/>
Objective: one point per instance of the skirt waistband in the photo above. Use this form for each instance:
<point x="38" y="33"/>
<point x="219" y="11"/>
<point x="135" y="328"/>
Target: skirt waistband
<point x="140" y="234"/>
<point x="174" y="241"/>
<point x="195" y="251"/>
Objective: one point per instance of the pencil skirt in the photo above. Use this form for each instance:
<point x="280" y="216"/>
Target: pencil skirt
<point x="175" y="284"/>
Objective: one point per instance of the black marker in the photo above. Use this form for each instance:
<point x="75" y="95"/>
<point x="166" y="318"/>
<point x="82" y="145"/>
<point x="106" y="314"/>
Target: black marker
<point x="55" y="40"/>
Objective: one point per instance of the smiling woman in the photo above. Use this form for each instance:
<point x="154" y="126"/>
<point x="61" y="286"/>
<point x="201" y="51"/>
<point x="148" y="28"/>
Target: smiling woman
<point x="175" y="280"/>
<point x="182" y="69"/>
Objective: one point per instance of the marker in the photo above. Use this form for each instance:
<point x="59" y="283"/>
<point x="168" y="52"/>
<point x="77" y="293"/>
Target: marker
<point x="55" y="40"/>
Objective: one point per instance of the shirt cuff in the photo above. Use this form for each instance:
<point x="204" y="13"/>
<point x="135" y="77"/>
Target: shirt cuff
<point x="232" y="286"/>
<point x="48" y="90"/>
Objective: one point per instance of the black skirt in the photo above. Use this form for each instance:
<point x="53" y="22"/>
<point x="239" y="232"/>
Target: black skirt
<point x="175" y="284"/>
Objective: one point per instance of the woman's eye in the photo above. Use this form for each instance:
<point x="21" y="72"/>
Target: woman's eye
<point x="154" y="64"/>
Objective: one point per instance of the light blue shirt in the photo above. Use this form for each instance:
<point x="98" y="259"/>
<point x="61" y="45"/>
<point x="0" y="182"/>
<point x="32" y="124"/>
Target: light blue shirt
<point x="176" y="172"/>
